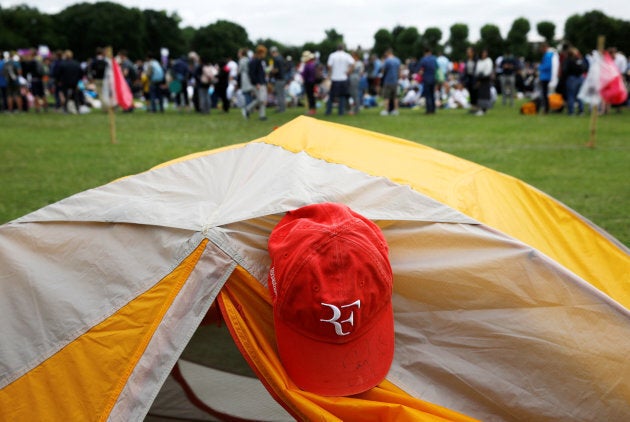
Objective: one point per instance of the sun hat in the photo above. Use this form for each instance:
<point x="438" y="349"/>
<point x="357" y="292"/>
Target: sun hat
<point x="307" y="55"/>
<point x="331" y="285"/>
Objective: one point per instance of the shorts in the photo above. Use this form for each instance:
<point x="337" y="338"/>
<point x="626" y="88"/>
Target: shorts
<point x="13" y="89"/>
<point x="37" y="89"/>
<point x="390" y="91"/>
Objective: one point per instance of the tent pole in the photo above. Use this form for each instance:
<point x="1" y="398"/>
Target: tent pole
<point x="110" y="107"/>
<point x="595" y="110"/>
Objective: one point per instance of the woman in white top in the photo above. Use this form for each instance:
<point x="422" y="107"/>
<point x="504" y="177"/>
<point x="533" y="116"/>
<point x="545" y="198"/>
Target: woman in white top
<point x="483" y="76"/>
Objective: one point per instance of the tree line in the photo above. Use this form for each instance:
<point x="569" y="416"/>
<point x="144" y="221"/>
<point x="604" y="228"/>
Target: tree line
<point x="83" y="27"/>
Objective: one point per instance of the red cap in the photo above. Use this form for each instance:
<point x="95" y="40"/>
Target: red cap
<point x="331" y="285"/>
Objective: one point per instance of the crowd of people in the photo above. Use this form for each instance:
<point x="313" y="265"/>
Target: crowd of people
<point x="257" y="80"/>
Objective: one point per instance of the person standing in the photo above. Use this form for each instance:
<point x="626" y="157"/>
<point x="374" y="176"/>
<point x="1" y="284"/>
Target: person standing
<point x="340" y="65"/>
<point x="469" y="77"/>
<point x="391" y="73"/>
<point x="12" y="71"/>
<point x="483" y="75"/>
<point x="3" y="82"/>
<point x="573" y="69"/>
<point x="278" y="78"/>
<point x="309" y="77"/>
<point x="68" y="73"/>
<point x="204" y="78"/>
<point x="181" y="74"/>
<point x="374" y="71"/>
<point x="222" y="85"/>
<point x="34" y="72"/>
<point x="428" y="67"/>
<point x="244" y="83"/>
<point x="545" y="74"/>
<point x="96" y="71"/>
<point x="155" y="73"/>
<point x="355" y="82"/>
<point x="509" y="67"/>
<point x="258" y="77"/>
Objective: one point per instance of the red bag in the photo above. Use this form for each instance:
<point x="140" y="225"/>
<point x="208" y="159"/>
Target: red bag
<point x="613" y="89"/>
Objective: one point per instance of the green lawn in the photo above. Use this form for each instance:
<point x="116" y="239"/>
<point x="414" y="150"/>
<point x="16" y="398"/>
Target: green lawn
<point x="46" y="157"/>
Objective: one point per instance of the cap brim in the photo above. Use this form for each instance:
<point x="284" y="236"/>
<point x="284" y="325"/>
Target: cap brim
<point x="345" y="369"/>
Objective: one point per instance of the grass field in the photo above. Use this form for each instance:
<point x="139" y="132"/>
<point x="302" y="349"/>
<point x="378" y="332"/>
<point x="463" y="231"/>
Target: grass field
<point x="47" y="157"/>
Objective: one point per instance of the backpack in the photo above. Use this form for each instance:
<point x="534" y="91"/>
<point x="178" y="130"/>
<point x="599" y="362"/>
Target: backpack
<point x="439" y="75"/>
<point x="207" y="75"/>
<point x="157" y="73"/>
<point x="556" y="102"/>
<point x="9" y="71"/>
<point x="529" y="108"/>
<point x="129" y="70"/>
<point x="98" y="68"/>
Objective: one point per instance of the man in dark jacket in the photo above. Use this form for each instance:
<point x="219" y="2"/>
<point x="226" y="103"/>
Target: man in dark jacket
<point x="68" y="73"/>
<point x="258" y="77"/>
<point x="428" y="66"/>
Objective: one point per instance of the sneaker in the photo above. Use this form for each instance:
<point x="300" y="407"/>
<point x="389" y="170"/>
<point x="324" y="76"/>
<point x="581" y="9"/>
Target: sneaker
<point x="479" y="113"/>
<point x="262" y="118"/>
<point x="384" y="113"/>
<point x="394" y="113"/>
<point x="245" y="113"/>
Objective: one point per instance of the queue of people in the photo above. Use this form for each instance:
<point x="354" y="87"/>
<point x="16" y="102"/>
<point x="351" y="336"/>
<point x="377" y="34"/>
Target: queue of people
<point x="264" y="78"/>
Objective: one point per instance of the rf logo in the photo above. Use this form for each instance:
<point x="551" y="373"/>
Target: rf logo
<point x="337" y="314"/>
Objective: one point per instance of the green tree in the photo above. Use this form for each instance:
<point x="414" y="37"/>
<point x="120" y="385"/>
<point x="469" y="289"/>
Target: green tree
<point x="516" y="40"/>
<point x="458" y="41"/>
<point x="622" y="41"/>
<point x="491" y="40"/>
<point x="110" y="24"/>
<point x="431" y="38"/>
<point x="583" y="30"/>
<point x="547" y="30"/>
<point x="161" y="30"/>
<point x="23" y="26"/>
<point x="382" y="41"/>
<point x="407" y="43"/>
<point x="187" y="34"/>
<point x="219" y="40"/>
<point x="330" y="43"/>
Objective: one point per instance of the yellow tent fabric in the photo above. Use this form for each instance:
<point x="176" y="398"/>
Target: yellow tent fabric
<point x="246" y="306"/>
<point x="508" y="305"/>
<point x="82" y="382"/>
<point x="500" y="201"/>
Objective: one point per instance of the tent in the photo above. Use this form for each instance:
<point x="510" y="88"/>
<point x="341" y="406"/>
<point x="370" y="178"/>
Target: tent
<point x="508" y="305"/>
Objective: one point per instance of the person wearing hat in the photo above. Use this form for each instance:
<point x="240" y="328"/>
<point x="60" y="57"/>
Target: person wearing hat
<point x="331" y="286"/>
<point x="309" y="77"/>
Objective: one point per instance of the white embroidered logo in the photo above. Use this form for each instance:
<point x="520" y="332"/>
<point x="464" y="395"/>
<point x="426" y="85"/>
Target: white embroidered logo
<point x="337" y="314"/>
<point x="272" y="275"/>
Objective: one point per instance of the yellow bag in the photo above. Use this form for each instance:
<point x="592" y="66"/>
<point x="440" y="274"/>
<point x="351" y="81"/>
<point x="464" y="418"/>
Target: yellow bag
<point x="555" y="101"/>
<point x="529" y="108"/>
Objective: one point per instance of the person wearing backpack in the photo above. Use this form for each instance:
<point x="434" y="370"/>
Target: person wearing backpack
<point x="12" y="72"/>
<point x="34" y="72"/>
<point x="155" y="73"/>
<point x="205" y="76"/>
